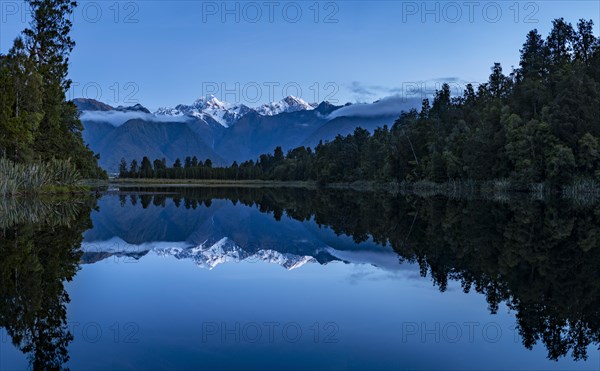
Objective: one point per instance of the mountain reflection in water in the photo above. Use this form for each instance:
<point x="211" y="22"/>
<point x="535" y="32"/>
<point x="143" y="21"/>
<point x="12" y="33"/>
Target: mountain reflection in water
<point x="539" y="258"/>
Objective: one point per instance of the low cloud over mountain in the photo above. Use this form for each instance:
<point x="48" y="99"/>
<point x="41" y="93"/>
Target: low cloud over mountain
<point x="384" y="107"/>
<point x="118" y="118"/>
<point x="224" y="132"/>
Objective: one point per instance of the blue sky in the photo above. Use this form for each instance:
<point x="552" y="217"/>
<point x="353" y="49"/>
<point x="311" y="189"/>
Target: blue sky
<point x="162" y="53"/>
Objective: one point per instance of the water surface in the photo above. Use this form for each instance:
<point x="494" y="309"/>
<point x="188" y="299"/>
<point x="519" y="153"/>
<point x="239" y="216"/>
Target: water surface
<point x="209" y="278"/>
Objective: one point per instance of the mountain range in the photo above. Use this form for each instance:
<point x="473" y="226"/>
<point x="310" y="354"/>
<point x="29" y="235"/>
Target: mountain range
<point x="223" y="232"/>
<point x="221" y="131"/>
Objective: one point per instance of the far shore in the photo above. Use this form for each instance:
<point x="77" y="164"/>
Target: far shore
<point x="210" y="183"/>
<point x="499" y="188"/>
<point x="359" y="185"/>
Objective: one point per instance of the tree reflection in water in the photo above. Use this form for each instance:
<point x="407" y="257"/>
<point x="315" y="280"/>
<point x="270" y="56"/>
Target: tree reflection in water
<point x="540" y="258"/>
<point x="39" y="252"/>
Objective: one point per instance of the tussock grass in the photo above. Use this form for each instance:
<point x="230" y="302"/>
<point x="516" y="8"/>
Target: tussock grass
<point x="16" y="178"/>
<point x="34" y="210"/>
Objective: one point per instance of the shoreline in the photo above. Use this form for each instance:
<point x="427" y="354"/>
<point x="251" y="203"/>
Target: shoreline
<point x="489" y="186"/>
<point x="455" y="188"/>
<point x="358" y="185"/>
<point x="207" y="183"/>
<point x="584" y="193"/>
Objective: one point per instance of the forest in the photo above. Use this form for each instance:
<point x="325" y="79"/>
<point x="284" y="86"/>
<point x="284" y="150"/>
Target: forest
<point x="537" y="126"/>
<point x="40" y="130"/>
<point x="532" y="128"/>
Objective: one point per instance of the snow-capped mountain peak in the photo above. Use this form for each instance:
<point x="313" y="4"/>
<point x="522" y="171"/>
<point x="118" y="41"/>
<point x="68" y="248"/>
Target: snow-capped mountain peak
<point x="210" y="254"/>
<point x="287" y="104"/>
<point x="210" y="106"/>
<point x="210" y="101"/>
<point x="227" y="114"/>
<point x="169" y="111"/>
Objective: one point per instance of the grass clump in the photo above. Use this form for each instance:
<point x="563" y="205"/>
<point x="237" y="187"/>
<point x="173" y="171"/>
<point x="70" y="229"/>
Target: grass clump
<point x="37" y="177"/>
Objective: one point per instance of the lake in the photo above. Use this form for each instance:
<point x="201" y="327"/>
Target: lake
<point x="299" y="279"/>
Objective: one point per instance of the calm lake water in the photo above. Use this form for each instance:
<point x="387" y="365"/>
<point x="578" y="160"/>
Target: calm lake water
<point x="229" y="278"/>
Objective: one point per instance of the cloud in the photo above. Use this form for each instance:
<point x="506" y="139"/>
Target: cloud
<point x="388" y="106"/>
<point x="364" y="93"/>
<point x="448" y="79"/>
<point x="118" y="245"/>
<point x="118" y="118"/>
<point x="411" y="89"/>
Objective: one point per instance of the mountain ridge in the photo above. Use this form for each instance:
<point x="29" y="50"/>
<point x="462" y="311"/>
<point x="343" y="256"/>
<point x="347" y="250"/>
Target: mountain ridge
<point x="220" y="131"/>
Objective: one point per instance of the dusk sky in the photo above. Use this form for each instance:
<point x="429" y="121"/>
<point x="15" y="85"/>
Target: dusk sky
<point x="162" y="53"/>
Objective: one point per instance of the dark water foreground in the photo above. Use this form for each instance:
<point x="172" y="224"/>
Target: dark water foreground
<point x="213" y="278"/>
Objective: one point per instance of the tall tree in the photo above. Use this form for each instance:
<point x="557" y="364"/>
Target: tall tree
<point x="584" y="41"/>
<point x="133" y="169"/>
<point x="560" y="42"/>
<point x="123" y="168"/>
<point x="146" y="167"/>
<point x="20" y="104"/>
<point x="48" y="44"/>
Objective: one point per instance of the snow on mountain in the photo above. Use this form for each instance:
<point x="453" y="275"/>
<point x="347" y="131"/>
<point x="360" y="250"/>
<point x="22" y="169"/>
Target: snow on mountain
<point x="209" y="255"/>
<point x="177" y="111"/>
<point x="288" y="104"/>
<point x="222" y="112"/>
<point x="206" y="255"/>
<point x="226" y="113"/>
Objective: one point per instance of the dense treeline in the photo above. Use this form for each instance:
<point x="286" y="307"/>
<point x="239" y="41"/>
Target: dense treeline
<point x="37" y="123"/>
<point x="538" y="124"/>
